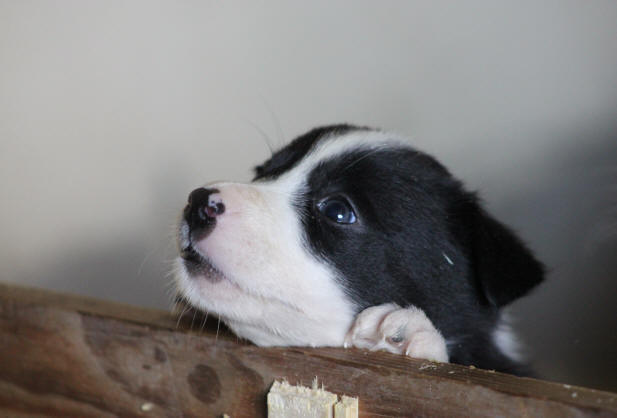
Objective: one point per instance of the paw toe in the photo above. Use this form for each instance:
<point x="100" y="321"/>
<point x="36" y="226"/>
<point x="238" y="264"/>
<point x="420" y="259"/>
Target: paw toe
<point x="397" y="330"/>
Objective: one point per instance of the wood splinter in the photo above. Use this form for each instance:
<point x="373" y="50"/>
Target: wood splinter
<point x="287" y="401"/>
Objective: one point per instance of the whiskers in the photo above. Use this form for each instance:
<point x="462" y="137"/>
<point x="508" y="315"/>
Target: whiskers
<point x="367" y="154"/>
<point x="203" y="323"/>
<point x="272" y="144"/>
<point x="145" y="259"/>
<point x="275" y="120"/>
<point x="185" y="308"/>
<point x="264" y="136"/>
<point x="182" y="308"/>
<point x="218" y="327"/>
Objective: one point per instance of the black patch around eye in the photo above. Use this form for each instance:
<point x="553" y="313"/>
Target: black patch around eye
<point x="399" y="197"/>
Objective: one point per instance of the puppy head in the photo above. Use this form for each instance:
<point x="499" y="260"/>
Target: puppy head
<point x="341" y="219"/>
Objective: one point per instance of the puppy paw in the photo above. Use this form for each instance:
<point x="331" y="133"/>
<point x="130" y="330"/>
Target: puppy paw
<point x="397" y="330"/>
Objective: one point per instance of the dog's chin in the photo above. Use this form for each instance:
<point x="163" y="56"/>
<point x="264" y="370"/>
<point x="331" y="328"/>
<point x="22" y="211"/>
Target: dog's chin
<point x="199" y="267"/>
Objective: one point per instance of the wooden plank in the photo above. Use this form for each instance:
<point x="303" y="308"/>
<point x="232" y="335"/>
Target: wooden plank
<point x="70" y="355"/>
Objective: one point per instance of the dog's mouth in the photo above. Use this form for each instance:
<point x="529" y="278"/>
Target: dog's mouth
<point x="198" y="265"/>
<point x="190" y="255"/>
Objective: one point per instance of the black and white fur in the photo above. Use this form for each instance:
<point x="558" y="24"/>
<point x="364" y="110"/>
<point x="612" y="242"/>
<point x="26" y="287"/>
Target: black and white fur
<point x="422" y="270"/>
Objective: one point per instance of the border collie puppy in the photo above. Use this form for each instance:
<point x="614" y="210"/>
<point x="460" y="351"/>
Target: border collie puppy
<point x="350" y="237"/>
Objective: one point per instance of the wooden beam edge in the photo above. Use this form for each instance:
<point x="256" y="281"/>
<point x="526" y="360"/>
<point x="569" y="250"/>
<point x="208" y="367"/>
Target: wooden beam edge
<point x="580" y="397"/>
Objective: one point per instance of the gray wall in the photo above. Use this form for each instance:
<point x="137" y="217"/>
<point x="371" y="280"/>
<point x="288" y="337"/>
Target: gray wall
<point x="111" y="112"/>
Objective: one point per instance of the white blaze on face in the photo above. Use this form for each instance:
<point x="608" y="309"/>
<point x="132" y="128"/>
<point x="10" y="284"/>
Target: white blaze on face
<point x="274" y="290"/>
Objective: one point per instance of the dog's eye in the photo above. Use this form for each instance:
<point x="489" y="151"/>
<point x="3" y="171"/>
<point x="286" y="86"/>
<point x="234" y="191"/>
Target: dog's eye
<point x="337" y="210"/>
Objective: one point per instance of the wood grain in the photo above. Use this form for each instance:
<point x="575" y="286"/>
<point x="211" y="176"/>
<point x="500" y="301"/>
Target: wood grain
<point x="64" y="355"/>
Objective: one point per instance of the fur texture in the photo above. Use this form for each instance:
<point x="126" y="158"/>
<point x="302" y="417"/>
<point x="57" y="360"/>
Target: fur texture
<point x="343" y="219"/>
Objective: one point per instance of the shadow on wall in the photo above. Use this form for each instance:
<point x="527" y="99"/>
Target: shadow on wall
<point x="569" y="215"/>
<point x="132" y="264"/>
<point x="127" y="271"/>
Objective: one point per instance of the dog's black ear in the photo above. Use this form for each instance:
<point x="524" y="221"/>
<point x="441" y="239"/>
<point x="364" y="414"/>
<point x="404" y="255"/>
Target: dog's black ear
<point x="504" y="268"/>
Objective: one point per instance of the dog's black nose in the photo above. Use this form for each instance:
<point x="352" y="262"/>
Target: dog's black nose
<point x="201" y="211"/>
